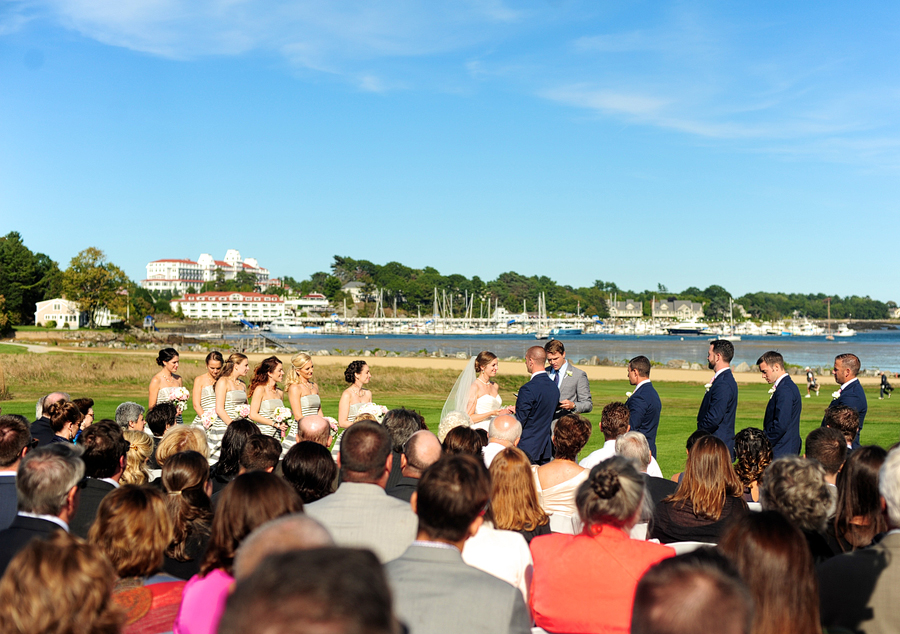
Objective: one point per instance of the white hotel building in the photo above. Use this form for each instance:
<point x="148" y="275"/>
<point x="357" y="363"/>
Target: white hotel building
<point x="254" y="307"/>
<point x="179" y="275"/>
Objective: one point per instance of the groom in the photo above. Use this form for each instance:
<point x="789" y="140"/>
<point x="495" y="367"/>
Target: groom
<point x="535" y="406"/>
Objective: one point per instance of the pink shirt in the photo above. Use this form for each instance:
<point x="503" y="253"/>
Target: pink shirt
<point x="202" y="603"/>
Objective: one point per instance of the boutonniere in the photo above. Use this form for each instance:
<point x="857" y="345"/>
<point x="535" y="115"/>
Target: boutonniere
<point x="708" y="385"/>
<point x="628" y="394"/>
<point x="836" y="394"/>
<point x="771" y="392"/>
<point x="569" y="373"/>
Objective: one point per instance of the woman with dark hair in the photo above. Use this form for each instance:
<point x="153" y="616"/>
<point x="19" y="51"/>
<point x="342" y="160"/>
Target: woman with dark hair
<point x="185" y="479"/>
<point x="65" y="420"/>
<point x="166" y="380"/>
<point x="476" y="393"/>
<point x="514" y="499"/>
<point x="858" y="519"/>
<point x="707" y="499"/>
<point x="310" y="469"/>
<point x="251" y="500"/>
<point x="753" y="453"/>
<point x="86" y="407"/>
<point x="586" y="582"/>
<point x="558" y="480"/>
<point x="226" y="468"/>
<point x="266" y="397"/>
<point x="358" y="376"/>
<point x="462" y="440"/>
<point x="203" y="394"/>
<point x="231" y="398"/>
<point x="772" y="558"/>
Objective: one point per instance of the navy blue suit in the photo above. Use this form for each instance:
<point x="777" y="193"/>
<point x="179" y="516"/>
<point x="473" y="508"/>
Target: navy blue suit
<point x="718" y="409"/>
<point x="535" y="406"/>
<point x="8" y="500"/>
<point x="644" y="408"/>
<point x="20" y="532"/>
<point x="42" y="430"/>
<point x="782" y="421"/>
<point x="853" y="396"/>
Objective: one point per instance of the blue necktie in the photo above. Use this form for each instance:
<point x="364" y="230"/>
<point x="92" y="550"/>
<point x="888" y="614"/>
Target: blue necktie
<point x="556" y="378"/>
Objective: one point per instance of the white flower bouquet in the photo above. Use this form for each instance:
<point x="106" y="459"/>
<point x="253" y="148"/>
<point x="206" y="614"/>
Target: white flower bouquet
<point x="208" y="418"/>
<point x="282" y="415"/>
<point x="179" y="396"/>
<point x="244" y="411"/>
<point x="378" y="411"/>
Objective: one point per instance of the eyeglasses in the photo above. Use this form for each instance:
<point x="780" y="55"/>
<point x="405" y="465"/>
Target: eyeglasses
<point x="33" y="443"/>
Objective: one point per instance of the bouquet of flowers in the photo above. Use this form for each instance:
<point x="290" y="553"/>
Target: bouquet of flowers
<point x="335" y="428"/>
<point x="179" y="396"/>
<point x="208" y="418"/>
<point x="282" y="415"/>
<point x="244" y="411"/>
<point x="378" y="411"/>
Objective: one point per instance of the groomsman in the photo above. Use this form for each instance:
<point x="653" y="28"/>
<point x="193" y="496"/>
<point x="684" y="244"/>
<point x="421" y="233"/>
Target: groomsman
<point x="719" y="406"/>
<point x="574" y="388"/>
<point x="643" y="404"/>
<point x="851" y="394"/>
<point x="782" y="419"/>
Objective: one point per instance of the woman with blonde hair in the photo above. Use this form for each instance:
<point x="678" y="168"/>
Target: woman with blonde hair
<point x="203" y="392"/>
<point x="303" y="394"/>
<point x="266" y="397"/>
<point x="514" y="500"/>
<point x="231" y="396"/>
<point x="358" y="376"/>
<point x="139" y="451"/>
<point x="185" y="478"/>
<point x="178" y="439"/>
<point x="30" y="598"/>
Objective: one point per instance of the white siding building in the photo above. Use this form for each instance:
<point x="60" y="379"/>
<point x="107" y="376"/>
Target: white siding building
<point x="313" y="301"/>
<point x="626" y="308"/>
<point x="233" y="306"/>
<point x="179" y="275"/>
<point x="680" y="309"/>
<point x="64" y="312"/>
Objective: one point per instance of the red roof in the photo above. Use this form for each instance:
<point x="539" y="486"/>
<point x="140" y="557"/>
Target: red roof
<point x="211" y="296"/>
<point x="182" y="261"/>
<point x="314" y="296"/>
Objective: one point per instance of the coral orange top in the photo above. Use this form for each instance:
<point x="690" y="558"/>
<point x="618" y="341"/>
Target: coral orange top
<point x="585" y="583"/>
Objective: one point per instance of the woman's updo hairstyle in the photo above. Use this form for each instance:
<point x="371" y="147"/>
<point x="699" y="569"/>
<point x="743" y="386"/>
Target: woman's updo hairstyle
<point x="233" y="359"/>
<point x="298" y="362"/>
<point x="165" y="355"/>
<point x="612" y="494"/>
<point x="62" y="412"/>
<point x="215" y="355"/>
<point x="353" y="369"/>
<point x="483" y="360"/>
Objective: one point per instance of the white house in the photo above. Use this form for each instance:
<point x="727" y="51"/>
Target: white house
<point x="254" y="307"/>
<point x="179" y="275"/>
<point x="676" y="309"/>
<point x="311" y="302"/>
<point x="354" y="289"/>
<point x="66" y="314"/>
<point x="626" y="308"/>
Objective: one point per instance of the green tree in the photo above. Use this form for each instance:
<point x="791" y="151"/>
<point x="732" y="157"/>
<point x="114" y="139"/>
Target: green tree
<point x="25" y="278"/>
<point x="92" y="282"/>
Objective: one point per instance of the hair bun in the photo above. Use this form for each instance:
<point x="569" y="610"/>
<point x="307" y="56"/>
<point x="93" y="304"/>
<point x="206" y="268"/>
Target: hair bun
<point x="605" y="483"/>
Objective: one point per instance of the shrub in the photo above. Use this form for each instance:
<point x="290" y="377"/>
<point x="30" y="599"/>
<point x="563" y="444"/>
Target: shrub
<point x="50" y="324"/>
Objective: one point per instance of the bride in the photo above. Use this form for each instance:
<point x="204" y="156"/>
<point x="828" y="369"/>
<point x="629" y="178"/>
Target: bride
<point x="475" y="393"/>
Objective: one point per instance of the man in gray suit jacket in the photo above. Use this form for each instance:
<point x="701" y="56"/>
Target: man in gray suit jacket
<point x="574" y="388"/>
<point x="360" y="514"/>
<point x="435" y="592"/>
<point x="858" y="590"/>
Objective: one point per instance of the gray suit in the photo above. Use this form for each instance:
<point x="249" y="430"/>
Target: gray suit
<point x="858" y="590"/>
<point x="575" y="388"/>
<point x="362" y="515"/>
<point x="435" y="592"/>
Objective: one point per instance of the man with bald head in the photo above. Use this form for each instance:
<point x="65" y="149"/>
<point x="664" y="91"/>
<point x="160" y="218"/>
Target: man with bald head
<point x="421" y="451"/>
<point x="535" y="406"/>
<point x="41" y="430"/>
<point x="504" y="431"/>
<point x="314" y="429"/>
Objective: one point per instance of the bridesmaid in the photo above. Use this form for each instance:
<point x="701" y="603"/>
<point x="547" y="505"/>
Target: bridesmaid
<point x="358" y="375"/>
<point x="265" y="396"/>
<point x="166" y="380"/>
<point x="204" y="391"/>
<point x="303" y="394"/>
<point x="230" y="395"/>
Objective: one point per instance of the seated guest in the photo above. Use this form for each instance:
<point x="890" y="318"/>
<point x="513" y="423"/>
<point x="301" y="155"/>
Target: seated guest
<point x="859" y="518"/>
<point x="41" y="429"/>
<point x="503" y="431"/>
<point x="260" y="453"/>
<point x="828" y="446"/>
<point x="772" y="558"/>
<point x="130" y="415"/>
<point x="844" y="419"/>
<point x="858" y="590"/>
<point x="450" y="421"/>
<point x="462" y="440"/>
<point x="160" y="419"/>
<point x="140" y="448"/>
<point x="105" y="451"/>
<point x="282" y="535"/>
<point x="86" y="407"/>
<point x="47" y="484"/>
<point x="586" y="582"/>
<point x="558" y="480"/>
<point x="360" y="514"/>
<point x="633" y="445"/>
<point x="434" y="590"/>
<point x="251" y="500"/>
<point x="310" y="469"/>
<point x="753" y="454"/>
<point x="504" y="554"/>
<point x="694" y="437"/>
<point x="226" y="468"/>
<point x="60" y="585"/>
<point x="796" y="488"/>
<point x="181" y="438"/>
<point x="133" y="529"/>
<point x="695" y="593"/>
<point x="401" y="423"/>
<point x="185" y="479"/>
<point x="15" y="441"/>
<point x="420" y="452"/>
<point x="707" y="499"/>
<point x="514" y="499"/>
<point x="347" y="593"/>
<point x="65" y="420"/>
<point x="613" y="423"/>
<point x="314" y="428"/>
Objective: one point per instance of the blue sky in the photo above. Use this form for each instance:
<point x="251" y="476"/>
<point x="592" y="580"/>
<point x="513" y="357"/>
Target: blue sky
<point x="751" y="145"/>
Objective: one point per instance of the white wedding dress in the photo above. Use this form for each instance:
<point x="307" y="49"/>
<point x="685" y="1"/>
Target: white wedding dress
<point x="486" y="403"/>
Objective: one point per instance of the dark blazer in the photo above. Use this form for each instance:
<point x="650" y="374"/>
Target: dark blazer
<point x="91" y="495"/>
<point x="718" y="409"/>
<point x="782" y="420"/>
<point x="8" y="500"/>
<point x="644" y="408"/>
<point x="42" y="430"/>
<point x="659" y="488"/>
<point x="20" y="532"/>
<point x="853" y="396"/>
<point x="404" y="489"/>
<point x="535" y="406"/>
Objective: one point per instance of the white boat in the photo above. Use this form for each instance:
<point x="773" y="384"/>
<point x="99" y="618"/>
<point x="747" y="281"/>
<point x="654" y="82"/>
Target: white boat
<point x="286" y="326"/>
<point x="843" y="330"/>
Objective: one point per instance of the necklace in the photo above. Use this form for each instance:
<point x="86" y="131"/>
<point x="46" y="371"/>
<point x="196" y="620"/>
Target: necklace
<point x="480" y="380"/>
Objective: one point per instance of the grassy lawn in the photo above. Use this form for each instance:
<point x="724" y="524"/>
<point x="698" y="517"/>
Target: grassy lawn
<point x="111" y="379"/>
<point x="6" y="348"/>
